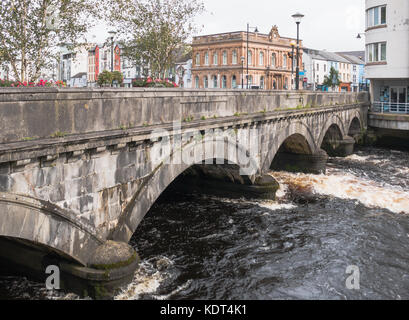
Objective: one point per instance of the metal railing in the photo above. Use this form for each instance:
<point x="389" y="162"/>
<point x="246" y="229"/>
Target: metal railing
<point x="390" y="107"/>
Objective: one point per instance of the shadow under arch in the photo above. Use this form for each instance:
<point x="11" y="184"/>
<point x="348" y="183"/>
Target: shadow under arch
<point x="42" y="223"/>
<point x="333" y="121"/>
<point x="167" y="172"/>
<point x="296" y="129"/>
<point x="355" y="125"/>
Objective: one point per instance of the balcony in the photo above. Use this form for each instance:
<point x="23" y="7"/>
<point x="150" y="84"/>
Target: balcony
<point x="390" y="107"/>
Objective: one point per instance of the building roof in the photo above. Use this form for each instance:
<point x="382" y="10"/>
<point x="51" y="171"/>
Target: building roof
<point x="325" y="55"/>
<point x="80" y="75"/>
<point x="358" y="54"/>
<point x="353" y="59"/>
<point x="331" y="56"/>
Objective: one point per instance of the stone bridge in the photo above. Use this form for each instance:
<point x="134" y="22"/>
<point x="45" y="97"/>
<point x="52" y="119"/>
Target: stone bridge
<point x="79" y="169"/>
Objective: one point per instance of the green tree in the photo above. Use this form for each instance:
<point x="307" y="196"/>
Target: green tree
<point x="332" y="80"/>
<point x="108" y="78"/>
<point x="105" y="78"/>
<point x="153" y="31"/>
<point x="31" y="30"/>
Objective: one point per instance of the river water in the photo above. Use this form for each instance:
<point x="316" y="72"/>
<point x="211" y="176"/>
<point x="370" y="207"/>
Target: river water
<point x="297" y="247"/>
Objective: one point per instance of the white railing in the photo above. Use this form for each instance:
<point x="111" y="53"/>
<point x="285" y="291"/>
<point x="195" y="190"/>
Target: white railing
<point x="390" y="107"/>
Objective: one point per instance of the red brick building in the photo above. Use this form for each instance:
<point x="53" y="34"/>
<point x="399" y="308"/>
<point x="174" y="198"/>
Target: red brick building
<point x="219" y="60"/>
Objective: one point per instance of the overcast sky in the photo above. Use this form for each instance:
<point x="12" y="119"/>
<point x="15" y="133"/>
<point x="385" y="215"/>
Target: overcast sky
<point x="328" y="24"/>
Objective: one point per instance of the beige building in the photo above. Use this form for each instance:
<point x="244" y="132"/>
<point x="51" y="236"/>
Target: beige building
<point x="219" y="61"/>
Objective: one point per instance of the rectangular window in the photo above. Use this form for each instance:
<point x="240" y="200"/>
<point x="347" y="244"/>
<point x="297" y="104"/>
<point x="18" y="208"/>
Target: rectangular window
<point x="376" y="16"/>
<point x="383" y="15"/>
<point x="383" y="51"/>
<point x="376" y="52"/>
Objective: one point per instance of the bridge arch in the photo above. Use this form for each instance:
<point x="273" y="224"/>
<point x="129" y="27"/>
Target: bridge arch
<point x="276" y="141"/>
<point x="333" y="121"/>
<point x="355" y="123"/>
<point x="167" y="172"/>
<point x="47" y="225"/>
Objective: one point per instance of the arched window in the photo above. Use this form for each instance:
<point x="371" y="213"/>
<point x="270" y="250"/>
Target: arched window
<point x="206" y="82"/>
<point x="197" y="59"/>
<point x="224" y="82"/>
<point x="234" y="82"/>
<point x="261" y="82"/>
<point x="261" y="58"/>
<point x="285" y="60"/>
<point x="215" y="58"/>
<point x="197" y="82"/>
<point x="273" y="60"/>
<point x="224" y="57"/>
<point x="250" y="81"/>
<point x="250" y="57"/>
<point x="215" y="82"/>
<point x="274" y="85"/>
<point x="286" y="83"/>
<point x="207" y="58"/>
<point x="234" y="57"/>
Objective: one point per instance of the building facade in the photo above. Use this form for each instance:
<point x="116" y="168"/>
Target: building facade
<point x="73" y="64"/>
<point x="99" y="59"/>
<point x="318" y="63"/>
<point x="387" y="52"/>
<point x="219" y="61"/>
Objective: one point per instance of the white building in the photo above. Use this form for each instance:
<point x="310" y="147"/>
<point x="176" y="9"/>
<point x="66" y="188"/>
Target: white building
<point x="387" y="52"/>
<point x="4" y="72"/>
<point x="73" y="65"/>
<point x="183" y="74"/>
<point x="315" y="67"/>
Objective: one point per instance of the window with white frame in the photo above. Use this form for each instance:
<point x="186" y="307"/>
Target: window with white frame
<point x="197" y="82"/>
<point x="215" y="58"/>
<point x="207" y="58"/>
<point x="376" y="52"/>
<point x="273" y="60"/>
<point x="250" y="57"/>
<point x="261" y="58"/>
<point x="224" y="57"/>
<point x="376" y="16"/>
<point x="197" y="59"/>
<point x="284" y="61"/>
<point x="234" y="57"/>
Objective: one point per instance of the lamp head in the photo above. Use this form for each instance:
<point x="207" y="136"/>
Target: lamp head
<point x="242" y="59"/>
<point x="112" y="33"/>
<point x="298" y="17"/>
<point x="256" y="31"/>
<point x="359" y="36"/>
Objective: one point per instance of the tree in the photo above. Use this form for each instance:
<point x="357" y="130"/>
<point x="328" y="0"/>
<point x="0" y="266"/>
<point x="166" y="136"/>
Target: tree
<point x="332" y="80"/>
<point x="31" y="30"/>
<point x="153" y="31"/>
<point x="108" y="78"/>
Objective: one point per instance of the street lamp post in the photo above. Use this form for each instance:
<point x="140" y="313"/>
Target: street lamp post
<point x="242" y="72"/>
<point x="112" y="33"/>
<point x="292" y="64"/>
<point x="248" y="30"/>
<point x="298" y="17"/>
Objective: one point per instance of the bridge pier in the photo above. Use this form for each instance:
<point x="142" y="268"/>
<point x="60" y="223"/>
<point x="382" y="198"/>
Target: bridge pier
<point x="340" y="147"/>
<point x="111" y="266"/>
<point x="306" y="163"/>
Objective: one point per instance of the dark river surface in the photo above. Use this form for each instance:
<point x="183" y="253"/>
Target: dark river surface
<point x="297" y="247"/>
